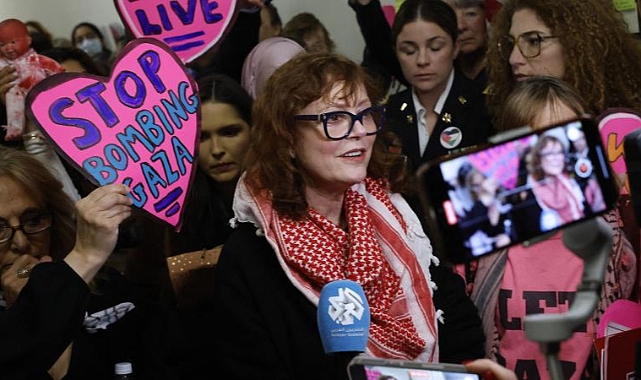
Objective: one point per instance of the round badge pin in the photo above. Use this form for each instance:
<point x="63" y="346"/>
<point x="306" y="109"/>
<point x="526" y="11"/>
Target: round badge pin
<point x="583" y="168"/>
<point x="451" y="137"/>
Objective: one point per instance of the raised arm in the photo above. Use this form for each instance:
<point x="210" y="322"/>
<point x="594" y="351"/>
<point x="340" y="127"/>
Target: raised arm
<point x="377" y="35"/>
<point x="99" y="215"/>
<point x="50" y="308"/>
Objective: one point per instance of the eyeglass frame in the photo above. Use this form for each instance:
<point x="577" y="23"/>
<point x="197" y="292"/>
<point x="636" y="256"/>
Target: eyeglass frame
<point x="21" y="227"/>
<point x="546" y="155"/>
<point x="323" y="117"/>
<point x="516" y="44"/>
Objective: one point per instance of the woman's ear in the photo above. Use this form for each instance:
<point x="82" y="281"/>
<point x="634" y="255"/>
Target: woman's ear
<point x="457" y="47"/>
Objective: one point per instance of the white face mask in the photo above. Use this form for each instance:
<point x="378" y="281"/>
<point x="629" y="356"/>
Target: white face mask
<point x="91" y="46"/>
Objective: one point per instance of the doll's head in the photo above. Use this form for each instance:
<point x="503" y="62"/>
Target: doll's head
<point x="14" y="38"/>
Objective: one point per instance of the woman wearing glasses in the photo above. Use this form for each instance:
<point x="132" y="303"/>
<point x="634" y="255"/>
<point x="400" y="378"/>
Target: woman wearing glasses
<point x="556" y="192"/>
<point x="505" y="283"/>
<point x="62" y="314"/>
<point x="319" y="202"/>
<point x="584" y="43"/>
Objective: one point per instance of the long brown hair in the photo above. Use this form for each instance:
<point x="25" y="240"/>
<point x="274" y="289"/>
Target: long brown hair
<point x="534" y="161"/>
<point x="299" y="82"/>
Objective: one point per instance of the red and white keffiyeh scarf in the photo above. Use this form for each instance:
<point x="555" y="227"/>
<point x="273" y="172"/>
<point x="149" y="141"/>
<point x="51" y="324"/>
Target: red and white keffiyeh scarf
<point x="561" y="194"/>
<point x="385" y="250"/>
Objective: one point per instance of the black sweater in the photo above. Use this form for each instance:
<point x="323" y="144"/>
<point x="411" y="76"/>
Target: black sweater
<point x="267" y="329"/>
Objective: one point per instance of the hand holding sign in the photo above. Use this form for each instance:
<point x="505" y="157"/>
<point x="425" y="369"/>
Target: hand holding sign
<point x="139" y="127"/>
<point x="189" y="27"/>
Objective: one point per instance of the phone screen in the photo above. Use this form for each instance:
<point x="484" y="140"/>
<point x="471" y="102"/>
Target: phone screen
<point x="632" y="157"/>
<point x="391" y="373"/>
<point x="381" y="369"/>
<point x="517" y="190"/>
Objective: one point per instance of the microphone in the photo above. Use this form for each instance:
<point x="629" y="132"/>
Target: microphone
<point x="343" y="317"/>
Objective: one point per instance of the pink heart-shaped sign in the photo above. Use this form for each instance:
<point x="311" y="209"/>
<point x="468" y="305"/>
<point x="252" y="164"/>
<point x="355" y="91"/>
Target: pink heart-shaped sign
<point x="139" y="127"/>
<point x="189" y="27"/>
<point x="614" y="125"/>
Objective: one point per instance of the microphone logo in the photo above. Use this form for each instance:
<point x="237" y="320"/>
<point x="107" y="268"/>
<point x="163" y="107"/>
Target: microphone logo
<point x="343" y="317"/>
<point x="346" y="306"/>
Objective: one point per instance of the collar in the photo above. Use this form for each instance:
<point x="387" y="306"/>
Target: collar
<point x="406" y="249"/>
<point x="440" y="103"/>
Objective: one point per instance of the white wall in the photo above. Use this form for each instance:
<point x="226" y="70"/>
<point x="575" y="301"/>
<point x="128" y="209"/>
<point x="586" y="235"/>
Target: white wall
<point x="60" y="16"/>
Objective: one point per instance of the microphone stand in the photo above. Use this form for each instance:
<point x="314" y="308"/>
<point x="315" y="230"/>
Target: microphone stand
<point x="591" y="240"/>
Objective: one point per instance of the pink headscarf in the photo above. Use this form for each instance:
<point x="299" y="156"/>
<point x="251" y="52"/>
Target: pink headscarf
<point x="264" y="59"/>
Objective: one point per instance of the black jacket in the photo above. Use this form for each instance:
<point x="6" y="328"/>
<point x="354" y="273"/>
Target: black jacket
<point x="267" y="329"/>
<point x="49" y="314"/>
<point x="42" y="322"/>
<point x="464" y="110"/>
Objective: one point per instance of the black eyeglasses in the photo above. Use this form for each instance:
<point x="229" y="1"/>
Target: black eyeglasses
<point x="339" y="124"/>
<point x="30" y="224"/>
<point x="529" y="44"/>
<point x="548" y="155"/>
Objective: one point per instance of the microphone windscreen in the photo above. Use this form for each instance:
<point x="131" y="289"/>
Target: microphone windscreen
<point x="343" y="317"/>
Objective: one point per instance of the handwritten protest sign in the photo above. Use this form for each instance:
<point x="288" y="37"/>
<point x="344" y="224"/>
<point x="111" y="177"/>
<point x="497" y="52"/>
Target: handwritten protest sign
<point x="139" y="127"/>
<point x="189" y="27"/>
<point x="614" y="125"/>
<point x="501" y="162"/>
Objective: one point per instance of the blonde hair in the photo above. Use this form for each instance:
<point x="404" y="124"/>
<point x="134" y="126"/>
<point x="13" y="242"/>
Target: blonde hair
<point x="531" y="97"/>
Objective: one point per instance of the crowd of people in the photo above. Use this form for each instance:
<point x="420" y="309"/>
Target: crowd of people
<point x="305" y="175"/>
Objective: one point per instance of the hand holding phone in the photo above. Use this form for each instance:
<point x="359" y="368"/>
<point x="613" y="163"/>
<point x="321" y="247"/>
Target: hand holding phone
<point x="490" y="370"/>
<point x="516" y="191"/>
<point x="366" y="368"/>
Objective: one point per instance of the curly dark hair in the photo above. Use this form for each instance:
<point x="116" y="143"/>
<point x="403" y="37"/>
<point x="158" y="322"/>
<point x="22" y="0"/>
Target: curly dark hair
<point x="602" y="59"/>
<point x="299" y="82"/>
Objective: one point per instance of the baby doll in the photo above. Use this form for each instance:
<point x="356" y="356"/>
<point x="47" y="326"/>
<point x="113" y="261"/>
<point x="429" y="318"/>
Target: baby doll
<point x="31" y="68"/>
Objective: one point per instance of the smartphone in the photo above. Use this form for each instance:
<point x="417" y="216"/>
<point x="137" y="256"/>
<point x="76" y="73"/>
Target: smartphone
<point x="366" y="368"/>
<point x="517" y="190"/>
<point x="632" y="156"/>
